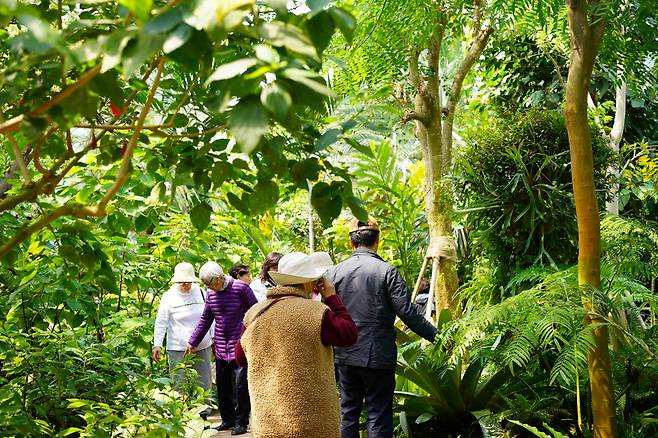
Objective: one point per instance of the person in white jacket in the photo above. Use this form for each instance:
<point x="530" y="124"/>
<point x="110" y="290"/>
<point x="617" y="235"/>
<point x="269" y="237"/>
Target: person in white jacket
<point x="178" y="314"/>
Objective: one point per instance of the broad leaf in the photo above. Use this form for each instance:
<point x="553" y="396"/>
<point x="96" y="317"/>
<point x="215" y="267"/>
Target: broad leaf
<point x="248" y="123"/>
<point x="276" y="99"/>
<point x="232" y="69"/>
<point x="286" y="35"/>
<point x="200" y="215"/>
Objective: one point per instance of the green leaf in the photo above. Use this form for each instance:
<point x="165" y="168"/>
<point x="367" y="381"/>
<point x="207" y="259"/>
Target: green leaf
<point x="326" y="200"/>
<point x="345" y="22"/>
<point x="142" y="222"/>
<point x="140" y="8"/>
<point x="288" y="36"/>
<point x="327" y="139"/>
<point x="264" y="197"/>
<point x="69" y="431"/>
<point x="267" y="54"/>
<point x="248" y="123"/>
<point x="357" y="208"/>
<point x="238" y="203"/>
<point x="276" y="99"/>
<point x="108" y="85"/>
<point x="422" y="418"/>
<point x="73" y="304"/>
<point x="164" y="22"/>
<point x="316" y="6"/>
<point x="200" y="215"/>
<point x="177" y="38"/>
<point x="147" y="45"/>
<point x="308" y="169"/>
<point x="309" y="79"/>
<point x="113" y="47"/>
<point x="232" y="69"/>
<point x="321" y="29"/>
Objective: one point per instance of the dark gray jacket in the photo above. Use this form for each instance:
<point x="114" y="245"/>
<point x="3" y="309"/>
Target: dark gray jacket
<point x="374" y="292"/>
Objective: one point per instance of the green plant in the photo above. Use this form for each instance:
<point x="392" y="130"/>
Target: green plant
<point x="514" y="190"/>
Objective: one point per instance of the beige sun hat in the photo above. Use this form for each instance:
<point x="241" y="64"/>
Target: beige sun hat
<point x="299" y="268"/>
<point x="321" y="259"/>
<point x="184" y="273"/>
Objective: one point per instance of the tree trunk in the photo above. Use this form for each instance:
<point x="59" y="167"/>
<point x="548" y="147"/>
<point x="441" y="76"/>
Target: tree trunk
<point x="434" y="130"/>
<point x="585" y="39"/>
<point x="614" y="140"/>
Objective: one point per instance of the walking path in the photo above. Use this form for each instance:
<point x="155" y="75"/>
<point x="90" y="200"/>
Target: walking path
<point x="195" y="429"/>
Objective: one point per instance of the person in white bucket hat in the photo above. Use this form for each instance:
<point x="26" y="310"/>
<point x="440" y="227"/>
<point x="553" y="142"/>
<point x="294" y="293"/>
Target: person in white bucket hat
<point x="179" y="312"/>
<point x="287" y="342"/>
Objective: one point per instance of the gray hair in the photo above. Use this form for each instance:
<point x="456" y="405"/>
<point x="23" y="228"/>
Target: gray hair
<point x="209" y="271"/>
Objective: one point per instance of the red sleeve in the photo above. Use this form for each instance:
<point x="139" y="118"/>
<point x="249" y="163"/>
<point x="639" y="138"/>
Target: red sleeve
<point x="338" y="327"/>
<point x="240" y="357"/>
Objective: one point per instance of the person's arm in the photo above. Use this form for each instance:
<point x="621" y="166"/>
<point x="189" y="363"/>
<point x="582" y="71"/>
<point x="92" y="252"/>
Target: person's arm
<point x="248" y="297"/>
<point x="160" y="327"/>
<point x="202" y="326"/>
<point x="240" y="357"/>
<point x="401" y="303"/>
<point x="338" y="328"/>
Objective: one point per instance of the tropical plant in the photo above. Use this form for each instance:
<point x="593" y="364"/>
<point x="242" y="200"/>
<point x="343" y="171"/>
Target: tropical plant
<point x="513" y="183"/>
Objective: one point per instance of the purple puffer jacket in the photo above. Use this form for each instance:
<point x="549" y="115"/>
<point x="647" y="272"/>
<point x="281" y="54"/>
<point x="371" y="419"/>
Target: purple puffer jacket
<point x="227" y="308"/>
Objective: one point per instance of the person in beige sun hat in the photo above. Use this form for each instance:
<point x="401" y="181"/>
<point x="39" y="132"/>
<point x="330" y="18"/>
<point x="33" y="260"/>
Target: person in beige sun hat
<point x="287" y="343"/>
<point x="179" y="312"/>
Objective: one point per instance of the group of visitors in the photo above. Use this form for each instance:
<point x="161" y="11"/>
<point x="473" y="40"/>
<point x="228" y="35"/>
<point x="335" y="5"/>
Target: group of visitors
<point x="281" y="340"/>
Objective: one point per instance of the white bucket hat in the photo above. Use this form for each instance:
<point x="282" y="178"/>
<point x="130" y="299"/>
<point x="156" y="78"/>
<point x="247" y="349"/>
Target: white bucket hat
<point x="299" y="268"/>
<point x="184" y="273"/>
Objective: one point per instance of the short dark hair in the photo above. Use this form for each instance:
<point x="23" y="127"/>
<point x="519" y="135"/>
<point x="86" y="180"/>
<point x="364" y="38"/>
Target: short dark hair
<point x="364" y="237"/>
<point x="271" y="261"/>
<point x="238" y="269"/>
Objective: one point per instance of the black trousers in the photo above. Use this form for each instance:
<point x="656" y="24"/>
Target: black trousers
<point x="376" y="387"/>
<point x="232" y="393"/>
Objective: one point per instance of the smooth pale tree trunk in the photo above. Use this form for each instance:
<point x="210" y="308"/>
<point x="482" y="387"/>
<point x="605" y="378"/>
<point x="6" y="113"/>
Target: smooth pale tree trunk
<point x="434" y="130"/>
<point x="614" y="140"/>
<point x="585" y="39"/>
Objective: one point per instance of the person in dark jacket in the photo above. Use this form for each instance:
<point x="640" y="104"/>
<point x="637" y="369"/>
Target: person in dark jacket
<point x="374" y="293"/>
<point x="228" y="301"/>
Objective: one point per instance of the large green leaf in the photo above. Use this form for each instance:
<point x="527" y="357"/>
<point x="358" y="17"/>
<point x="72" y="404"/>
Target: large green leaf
<point x="276" y="99"/>
<point x="309" y="79"/>
<point x="327" y="201"/>
<point x="200" y="215"/>
<point x="248" y="123"/>
<point x="140" y="8"/>
<point x="288" y="36"/>
<point x="265" y="196"/>
<point x="232" y="69"/>
<point x="345" y="22"/>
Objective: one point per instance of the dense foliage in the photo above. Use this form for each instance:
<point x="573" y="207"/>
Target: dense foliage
<point x="139" y="134"/>
<point x="513" y="184"/>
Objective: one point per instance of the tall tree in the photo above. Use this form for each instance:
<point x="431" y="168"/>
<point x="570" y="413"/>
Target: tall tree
<point x="586" y="27"/>
<point x="434" y="130"/>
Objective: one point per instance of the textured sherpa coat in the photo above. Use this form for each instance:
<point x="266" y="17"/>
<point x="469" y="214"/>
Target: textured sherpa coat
<point x="291" y="373"/>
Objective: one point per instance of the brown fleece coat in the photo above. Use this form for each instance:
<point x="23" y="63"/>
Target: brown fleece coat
<point x="291" y="373"/>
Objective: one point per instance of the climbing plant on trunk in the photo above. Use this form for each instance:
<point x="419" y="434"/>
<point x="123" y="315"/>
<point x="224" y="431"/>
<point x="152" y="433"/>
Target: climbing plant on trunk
<point x="586" y="27"/>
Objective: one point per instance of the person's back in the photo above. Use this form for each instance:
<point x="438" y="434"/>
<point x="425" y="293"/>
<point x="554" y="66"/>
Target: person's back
<point x="374" y="293"/>
<point x="291" y="374"/>
<point x="362" y="283"/>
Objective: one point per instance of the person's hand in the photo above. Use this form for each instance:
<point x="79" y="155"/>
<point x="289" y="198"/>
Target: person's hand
<point x="156" y="353"/>
<point x="326" y="287"/>
<point x="190" y="349"/>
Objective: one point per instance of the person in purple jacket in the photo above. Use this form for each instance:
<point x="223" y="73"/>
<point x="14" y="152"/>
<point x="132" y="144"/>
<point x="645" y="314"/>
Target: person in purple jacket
<point x="228" y="301"/>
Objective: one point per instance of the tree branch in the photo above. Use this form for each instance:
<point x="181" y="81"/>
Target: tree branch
<point x="77" y="210"/>
<point x="13" y="124"/>
<point x="414" y="76"/>
<point x="124" y="168"/>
